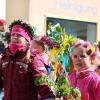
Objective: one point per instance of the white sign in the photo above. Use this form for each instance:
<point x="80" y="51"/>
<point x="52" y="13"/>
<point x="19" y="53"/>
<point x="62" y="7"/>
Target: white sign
<point x="77" y="8"/>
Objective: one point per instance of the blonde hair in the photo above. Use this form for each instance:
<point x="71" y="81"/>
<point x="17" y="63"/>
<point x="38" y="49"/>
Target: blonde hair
<point x="27" y="57"/>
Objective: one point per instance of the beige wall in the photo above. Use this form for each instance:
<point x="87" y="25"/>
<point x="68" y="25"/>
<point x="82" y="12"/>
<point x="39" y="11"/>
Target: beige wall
<point x="17" y="9"/>
<point x="84" y="10"/>
<point x="36" y="11"/>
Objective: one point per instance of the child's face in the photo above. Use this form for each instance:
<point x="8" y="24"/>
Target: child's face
<point x="2" y="28"/>
<point x="80" y="59"/>
<point x="34" y="45"/>
<point x="16" y="38"/>
<point x="37" y="46"/>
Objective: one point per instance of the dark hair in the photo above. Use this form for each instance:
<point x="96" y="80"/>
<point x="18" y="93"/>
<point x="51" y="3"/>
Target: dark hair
<point x="98" y="67"/>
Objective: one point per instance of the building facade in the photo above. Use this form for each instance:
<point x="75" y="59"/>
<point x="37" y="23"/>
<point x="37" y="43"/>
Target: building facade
<point x="78" y="17"/>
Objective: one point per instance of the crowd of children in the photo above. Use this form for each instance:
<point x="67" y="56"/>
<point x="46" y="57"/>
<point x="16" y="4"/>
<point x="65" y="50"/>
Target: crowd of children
<point x="26" y="59"/>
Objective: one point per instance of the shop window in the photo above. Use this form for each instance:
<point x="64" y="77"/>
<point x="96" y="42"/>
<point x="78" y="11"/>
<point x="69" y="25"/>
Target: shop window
<point x="83" y="30"/>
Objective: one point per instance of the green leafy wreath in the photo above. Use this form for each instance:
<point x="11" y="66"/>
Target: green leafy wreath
<point x="62" y="87"/>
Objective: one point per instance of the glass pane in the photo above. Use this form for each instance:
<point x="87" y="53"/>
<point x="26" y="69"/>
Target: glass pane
<point x="83" y="30"/>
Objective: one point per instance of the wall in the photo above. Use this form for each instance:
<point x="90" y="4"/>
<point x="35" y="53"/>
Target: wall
<point x="84" y="10"/>
<point x="17" y="9"/>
